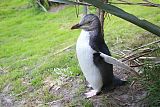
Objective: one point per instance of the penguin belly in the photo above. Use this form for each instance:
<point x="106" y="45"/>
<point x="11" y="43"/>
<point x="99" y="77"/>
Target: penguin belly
<point x="85" y="59"/>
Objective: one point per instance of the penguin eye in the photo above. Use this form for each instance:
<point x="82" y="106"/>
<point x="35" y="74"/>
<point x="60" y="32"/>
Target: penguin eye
<point x="89" y="22"/>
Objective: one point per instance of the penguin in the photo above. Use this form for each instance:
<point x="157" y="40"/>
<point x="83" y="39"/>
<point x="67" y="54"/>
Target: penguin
<point x="91" y="49"/>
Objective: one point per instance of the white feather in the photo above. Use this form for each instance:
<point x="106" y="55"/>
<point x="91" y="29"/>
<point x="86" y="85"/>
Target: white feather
<point x="85" y="58"/>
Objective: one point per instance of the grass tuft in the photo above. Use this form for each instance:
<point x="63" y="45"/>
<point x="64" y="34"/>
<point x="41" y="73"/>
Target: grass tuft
<point x="152" y="83"/>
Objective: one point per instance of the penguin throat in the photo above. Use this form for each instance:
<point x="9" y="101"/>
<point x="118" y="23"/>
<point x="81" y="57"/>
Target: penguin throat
<point x="95" y="39"/>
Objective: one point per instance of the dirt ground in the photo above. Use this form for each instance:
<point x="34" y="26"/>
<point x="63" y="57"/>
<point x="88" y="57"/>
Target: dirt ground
<point x="73" y="90"/>
<point x="57" y="8"/>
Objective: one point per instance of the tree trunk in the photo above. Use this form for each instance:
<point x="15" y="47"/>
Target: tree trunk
<point x="85" y="10"/>
<point x="101" y="15"/>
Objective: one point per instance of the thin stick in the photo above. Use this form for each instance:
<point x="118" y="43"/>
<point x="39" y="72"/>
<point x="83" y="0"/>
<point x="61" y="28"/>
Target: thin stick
<point x="60" y="51"/>
<point x="38" y="2"/>
<point x="137" y="55"/>
<point x="158" y="5"/>
<point x="154" y="42"/>
<point x="141" y="4"/>
<point x="150" y="58"/>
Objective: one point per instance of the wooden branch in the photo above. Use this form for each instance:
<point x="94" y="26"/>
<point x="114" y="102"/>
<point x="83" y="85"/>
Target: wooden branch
<point x="44" y="9"/>
<point x="136" y="65"/>
<point x="137" y="55"/>
<point x="142" y="4"/>
<point x="154" y="42"/>
<point x="64" y="49"/>
<point x="150" y="58"/>
<point x="156" y="5"/>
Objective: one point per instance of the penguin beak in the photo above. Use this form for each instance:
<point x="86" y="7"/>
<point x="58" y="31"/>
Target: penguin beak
<point x="77" y="26"/>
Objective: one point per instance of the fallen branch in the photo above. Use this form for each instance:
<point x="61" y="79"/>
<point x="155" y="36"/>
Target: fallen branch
<point x="150" y="58"/>
<point x="154" y="42"/>
<point x="133" y="82"/>
<point x="64" y="49"/>
<point x="127" y="57"/>
<point x="137" y="55"/>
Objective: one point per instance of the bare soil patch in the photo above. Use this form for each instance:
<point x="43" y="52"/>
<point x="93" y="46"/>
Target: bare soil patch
<point x="56" y="8"/>
<point x="73" y="88"/>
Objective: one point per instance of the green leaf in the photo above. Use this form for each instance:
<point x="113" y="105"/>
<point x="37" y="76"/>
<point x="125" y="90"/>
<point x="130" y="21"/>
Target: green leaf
<point x="126" y="16"/>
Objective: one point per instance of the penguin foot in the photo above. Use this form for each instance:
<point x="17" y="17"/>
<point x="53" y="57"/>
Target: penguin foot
<point x="91" y="93"/>
<point x="89" y="86"/>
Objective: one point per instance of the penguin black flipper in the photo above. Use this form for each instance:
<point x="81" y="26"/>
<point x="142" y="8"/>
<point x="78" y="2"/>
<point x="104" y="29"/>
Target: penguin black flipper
<point x="106" y="69"/>
<point x="104" y="49"/>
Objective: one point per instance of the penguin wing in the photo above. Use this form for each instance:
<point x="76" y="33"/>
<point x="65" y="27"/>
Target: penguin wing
<point x="114" y="61"/>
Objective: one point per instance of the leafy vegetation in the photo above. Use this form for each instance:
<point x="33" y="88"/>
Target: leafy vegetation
<point x="152" y="82"/>
<point x="29" y="40"/>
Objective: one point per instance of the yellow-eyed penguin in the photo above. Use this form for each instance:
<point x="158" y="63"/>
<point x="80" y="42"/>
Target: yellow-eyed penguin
<point x="90" y="49"/>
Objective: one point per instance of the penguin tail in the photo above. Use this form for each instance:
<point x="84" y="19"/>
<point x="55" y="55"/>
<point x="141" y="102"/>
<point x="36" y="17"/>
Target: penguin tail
<point x="118" y="82"/>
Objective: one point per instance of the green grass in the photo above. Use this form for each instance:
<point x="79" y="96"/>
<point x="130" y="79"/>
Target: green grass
<point x="29" y="38"/>
<point x="152" y="83"/>
<point x="28" y="41"/>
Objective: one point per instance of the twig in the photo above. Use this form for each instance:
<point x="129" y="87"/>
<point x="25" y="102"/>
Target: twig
<point x="158" y="5"/>
<point x="133" y="82"/>
<point x="44" y="9"/>
<point x="150" y="58"/>
<point x="154" y="42"/>
<point x="136" y="65"/>
<point x="22" y="93"/>
<point x="64" y="49"/>
<point x="141" y="4"/>
<point x="137" y="55"/>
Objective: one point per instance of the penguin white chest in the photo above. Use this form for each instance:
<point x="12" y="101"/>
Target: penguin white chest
<point x="85" y="58"/>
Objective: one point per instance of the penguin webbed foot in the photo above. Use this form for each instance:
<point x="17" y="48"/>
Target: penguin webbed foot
<point x="89" y="86"/>
<point x="91" y="93"/>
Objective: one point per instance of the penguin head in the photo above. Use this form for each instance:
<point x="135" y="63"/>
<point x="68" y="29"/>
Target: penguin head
<point x="89" y="22"/>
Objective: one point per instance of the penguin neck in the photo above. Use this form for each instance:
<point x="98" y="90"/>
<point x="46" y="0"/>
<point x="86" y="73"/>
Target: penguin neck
<point x="96" y="34"/>
<point x="96" y="39"/>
